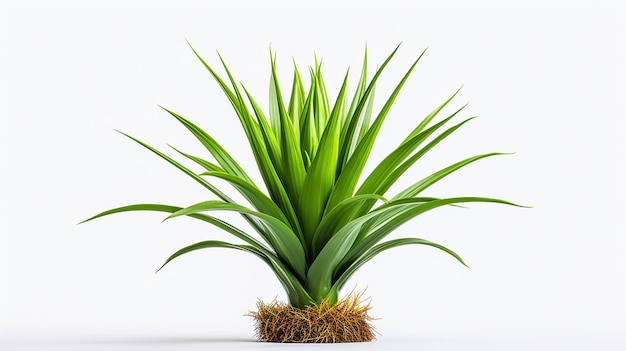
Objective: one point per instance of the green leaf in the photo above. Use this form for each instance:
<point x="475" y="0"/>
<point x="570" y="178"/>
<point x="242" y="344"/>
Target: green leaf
<point x="322" y="107"/>
<point x="243" y="110"/>
<point x="418" y="187"/>
<point x="332" y="221"/>
<point x="270" y="140"/>
<point x="171" y="209"/>
<point x="308" y="125"/>
<point x="265" y="162"/>
<point x="387" y="172"/>
<point x="320" y="177"/>
<point x="364" y="123"/>
<point x="432" y="115"/>
<point x="412" y="209"/>
<point x="358" y="95"/>
<point x="255" y="224"/>
<point x="257" y="144"/>
<point x="274" y="109"/>
<point x="212" y="244"/>
<point x="259" y="200"/>
<point x="398" y="171"/>
<point x="292" y="173"/>
<point x="382" y="171"/>
<point x="191" y="174"/>
<point x="279" y="236"/>
<point x="267" y="157"/>
<point x="319" y="276"/>
<point x="390" y="214"/>
<point x="350" y="131"/>
<point x="318" y="281"/>
<point x="268" y="166"/>
<point x="352" y="171"/>
<point x="221" y="155"/>
<point x="297" y="99"/>
<point x="341" y="280"/>
<point x="209" y="166"/>
<point x="296" y="293"/>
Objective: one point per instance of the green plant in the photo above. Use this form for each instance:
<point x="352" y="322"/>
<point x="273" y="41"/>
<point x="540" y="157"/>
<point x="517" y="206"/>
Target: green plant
<point x="317" y="227"/>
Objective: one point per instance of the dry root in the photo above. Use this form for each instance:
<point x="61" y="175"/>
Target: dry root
<point x="347" y="321"/>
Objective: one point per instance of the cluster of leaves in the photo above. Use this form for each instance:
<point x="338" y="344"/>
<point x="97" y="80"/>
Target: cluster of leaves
<point x="317" y="225"/>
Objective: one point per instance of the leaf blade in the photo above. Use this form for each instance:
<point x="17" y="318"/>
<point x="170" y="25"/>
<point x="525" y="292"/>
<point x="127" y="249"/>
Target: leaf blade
<point x="296" y="293"/>
<point x="346" y="182"/>
<point x="320" y="177"/>
<point x="411" y="211"/>
<point x="374" y="251"/>
<point x="280" y="237"/>
<point x="220" y="154"/>
<point x="238" y="233"/>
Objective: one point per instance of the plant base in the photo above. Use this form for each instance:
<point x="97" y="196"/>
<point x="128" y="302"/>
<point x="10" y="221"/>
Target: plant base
<point x="347" y="321"/>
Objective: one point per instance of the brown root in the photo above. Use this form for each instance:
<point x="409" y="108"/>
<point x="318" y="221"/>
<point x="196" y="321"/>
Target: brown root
<point x="347" y="321"/>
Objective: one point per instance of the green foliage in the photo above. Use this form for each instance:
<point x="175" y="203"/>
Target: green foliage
<point x="314" y="227"/>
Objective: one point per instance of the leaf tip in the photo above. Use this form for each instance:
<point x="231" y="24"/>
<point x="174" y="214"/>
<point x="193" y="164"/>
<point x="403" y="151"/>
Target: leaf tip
<point x="191" y="47"/>
<point x="459" y="89"/>
<point x="160" y="268"/>
<point x="168" y="217"/>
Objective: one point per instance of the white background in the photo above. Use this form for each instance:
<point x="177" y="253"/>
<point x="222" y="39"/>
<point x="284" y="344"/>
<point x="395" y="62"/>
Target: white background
<point x="545" y="81"/>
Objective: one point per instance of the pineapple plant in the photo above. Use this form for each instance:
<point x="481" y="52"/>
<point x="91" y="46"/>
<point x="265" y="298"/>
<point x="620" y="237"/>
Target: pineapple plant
<point x="317" y="218"/>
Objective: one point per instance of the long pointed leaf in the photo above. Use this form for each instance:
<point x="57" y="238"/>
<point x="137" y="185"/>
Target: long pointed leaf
<point x="254" y="222"/>
<point x="260" y="201"/>
<point x="320" y="177"/>
<point x="364" y="122"/>
<point x="308" y="126"/>
<point x="229" y="94"/>
<point x="238" y="233"/>
<point x="297" y="98"/>
<point x="270" y="162"/>
<point x="350" y="131"/>
<point x="358" y="94"/>
<point x="378" y="176"/>
<point x="271" y="142"/>
<point x="350" y="175"/>
<point x="212" y="244"/>
<point x="400" y="217"/>
<point x="280" y="236"/>
<point x="319" y="276"/>
<point x="257" y="144"/>
<point x="221" y="155"/>
<point x="322" y="107"/>
<point x="331" y="222"/>
<point x="296" y="293"/>
<point x="185" y="170"/>
<point x="292" y="172"/>
<point x="418" y="187"/>
<point x="341" y="280"/>
<point x="209" y="166"/>
<point x="388" y="171"/>
<point x="432" y="115"/>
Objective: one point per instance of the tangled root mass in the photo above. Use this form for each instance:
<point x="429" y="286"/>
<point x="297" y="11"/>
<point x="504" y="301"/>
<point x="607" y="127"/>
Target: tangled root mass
<point x="347" y="321"/>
